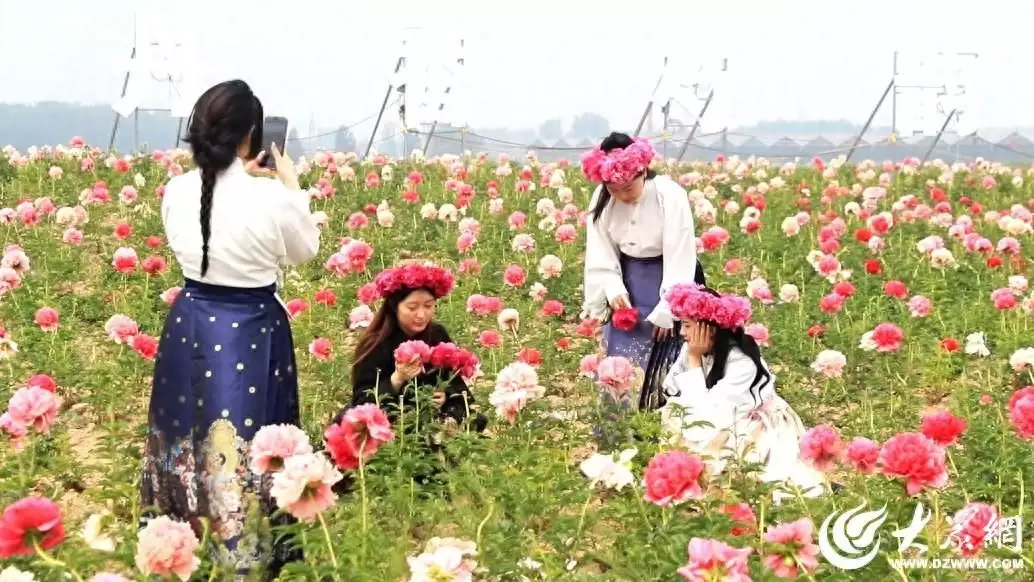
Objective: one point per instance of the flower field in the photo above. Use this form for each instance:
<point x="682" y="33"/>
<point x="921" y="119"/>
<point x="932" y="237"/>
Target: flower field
<point x="891" y="301"/>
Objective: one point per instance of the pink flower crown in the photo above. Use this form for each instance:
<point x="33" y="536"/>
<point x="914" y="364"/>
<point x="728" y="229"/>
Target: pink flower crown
<point x="436" y="279"/>
<point x="691" y="301"/>
<point x="618" y="166"/>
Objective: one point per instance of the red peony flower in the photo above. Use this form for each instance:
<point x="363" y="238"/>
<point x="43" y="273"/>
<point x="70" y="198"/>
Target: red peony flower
<point x="27" y="521"/>
<point x="743" y="519"/>
<point x="625" y="318"/>
<point x="943" y="427"/>
<point x="915" y="458"/>
<point x="363" y="428"/>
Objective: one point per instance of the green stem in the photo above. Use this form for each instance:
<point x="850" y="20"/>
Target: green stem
<point x="47" y="559"/>
<point x="362" y="487"/>
<point x="330" y="546"/>
<point x="957" y="474"/>
<point x="585" y="509"/>
<point x="481" y="526"/>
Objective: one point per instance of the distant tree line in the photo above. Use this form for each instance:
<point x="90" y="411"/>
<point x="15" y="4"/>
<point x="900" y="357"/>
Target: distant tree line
<point x="52" y="122"/>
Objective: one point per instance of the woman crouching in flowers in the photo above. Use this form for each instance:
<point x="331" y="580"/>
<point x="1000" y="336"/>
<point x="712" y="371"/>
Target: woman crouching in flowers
<point x="720" y="378"/>
<point x="404" y="354"/>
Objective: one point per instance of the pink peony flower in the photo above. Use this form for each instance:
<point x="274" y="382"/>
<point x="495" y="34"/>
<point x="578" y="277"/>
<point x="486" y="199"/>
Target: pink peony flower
<point x="15" y="430"/>
<point x="714" y="560"/>
<point x="121" y="329"/>
<point x="303" y="487"/>
<point x="372" y="424"/>
<point x="862" y="454"/>
<point x="673" y="477"/>
<point x="1021" y="412"/>
<point x="515" y="386"/>
<point x="273" y="444"/>
<point x="971" y="526"/>
<point x="35" y="407"/>
<point x="514" y="276"/>
<point x="616" y="373"/>
<point x="321" y="349"/>
<point x="915" y="458"/>
<point x="490" y="338"/>
<point x="412" y="351"/>
<point x="167" y="547"/>
<point x="820" y="447"/>
<point x="48" y="318"/>
<point x="794" y="548"/>
<point x="759" y="332"/>
<point x="920" y="306"/>
<point x="588" y="366"/>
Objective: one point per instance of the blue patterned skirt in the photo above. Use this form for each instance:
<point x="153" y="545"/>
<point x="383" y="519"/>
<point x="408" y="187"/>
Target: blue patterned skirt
<point x="225" y="368"/>
<point x="642" y="278"/>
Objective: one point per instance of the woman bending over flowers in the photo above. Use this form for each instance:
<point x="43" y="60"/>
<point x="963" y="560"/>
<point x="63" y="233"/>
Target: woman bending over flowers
<point x="640" y="240"/>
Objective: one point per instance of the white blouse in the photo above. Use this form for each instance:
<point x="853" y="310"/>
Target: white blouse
<point x="660" y="223"/>
<point x="258" y="224"/>
<point x="687" y="386"/>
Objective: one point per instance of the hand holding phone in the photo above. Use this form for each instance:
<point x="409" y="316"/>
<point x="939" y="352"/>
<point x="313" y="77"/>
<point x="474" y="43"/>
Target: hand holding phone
<point x="285" y="169"/>
<point x="274" y="131"/>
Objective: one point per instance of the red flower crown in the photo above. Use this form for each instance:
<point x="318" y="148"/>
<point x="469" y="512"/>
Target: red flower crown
<point x="618" y="166"/>
<point x="692" y="301"/>
<point x="436" y="279"/>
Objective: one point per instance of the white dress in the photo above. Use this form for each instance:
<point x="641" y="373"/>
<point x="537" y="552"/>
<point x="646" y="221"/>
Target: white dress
<point x="757" y="428"/>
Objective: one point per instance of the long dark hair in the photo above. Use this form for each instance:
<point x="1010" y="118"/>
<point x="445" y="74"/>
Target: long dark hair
<point x="385" y="323"/>
<point x="614" y="141"/>
<point x="222" y="118"/>
<point x="724" y="341"/>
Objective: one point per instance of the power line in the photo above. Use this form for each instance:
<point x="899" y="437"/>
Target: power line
<point x="333" y="131"/>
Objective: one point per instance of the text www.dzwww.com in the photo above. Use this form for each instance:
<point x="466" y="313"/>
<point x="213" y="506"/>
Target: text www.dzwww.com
<point x="958" y="563"/>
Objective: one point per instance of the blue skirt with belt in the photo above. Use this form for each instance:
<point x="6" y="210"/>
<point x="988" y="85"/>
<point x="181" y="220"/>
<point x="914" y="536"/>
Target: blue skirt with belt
<point x="642" y="278"/>
<point x="225" y="368"/>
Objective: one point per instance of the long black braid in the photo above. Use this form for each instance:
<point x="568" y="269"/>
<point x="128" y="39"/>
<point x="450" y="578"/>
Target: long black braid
<point x="222" y="119"/>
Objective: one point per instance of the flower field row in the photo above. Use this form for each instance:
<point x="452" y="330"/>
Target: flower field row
<point x="891" y="301"/>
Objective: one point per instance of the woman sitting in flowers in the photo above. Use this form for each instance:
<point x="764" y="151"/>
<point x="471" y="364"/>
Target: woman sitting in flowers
<point x="405" y="353"/>
<point x="721" y="379"/>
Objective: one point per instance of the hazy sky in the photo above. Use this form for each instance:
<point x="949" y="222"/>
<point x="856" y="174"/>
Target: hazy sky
<point x="532" y="59"/>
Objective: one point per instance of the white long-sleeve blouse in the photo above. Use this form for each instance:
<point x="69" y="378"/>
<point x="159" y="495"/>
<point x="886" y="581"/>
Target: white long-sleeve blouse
<point x="258" y="224"/>
<point x="659" y="224"/>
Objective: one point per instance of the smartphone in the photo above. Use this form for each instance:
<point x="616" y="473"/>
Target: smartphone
<point x="274" y="131"/>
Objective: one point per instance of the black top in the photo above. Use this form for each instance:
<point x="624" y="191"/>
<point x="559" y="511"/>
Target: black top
<point x="373" y="378"/>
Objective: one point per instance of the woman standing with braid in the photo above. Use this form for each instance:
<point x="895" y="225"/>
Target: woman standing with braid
<point x="225" y="364"/>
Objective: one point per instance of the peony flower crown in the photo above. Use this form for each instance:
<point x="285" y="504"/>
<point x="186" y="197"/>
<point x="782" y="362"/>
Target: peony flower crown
<point x="415" y="276"/>
<point x="693" y="301"/>
<point x="618" y="166"/>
